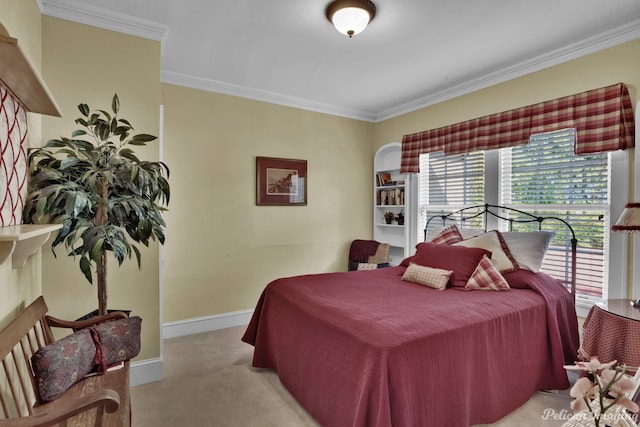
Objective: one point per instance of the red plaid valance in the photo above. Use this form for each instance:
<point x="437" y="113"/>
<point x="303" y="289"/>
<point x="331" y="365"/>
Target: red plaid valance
<point x="603" y="119"/>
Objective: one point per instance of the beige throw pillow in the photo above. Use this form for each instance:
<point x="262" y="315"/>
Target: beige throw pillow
<point x="435" y="278"/>
<point x="492" y="241"/>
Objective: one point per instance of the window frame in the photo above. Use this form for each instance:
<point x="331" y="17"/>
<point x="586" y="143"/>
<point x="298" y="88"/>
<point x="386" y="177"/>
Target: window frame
<point x="618" y="273"/>
<point x="634" y="259"/>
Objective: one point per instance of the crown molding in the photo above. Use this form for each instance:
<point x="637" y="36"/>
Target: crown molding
<point x="567" y="53"/>
<point x="209" y="85"/>
<point x="77" y="11"/>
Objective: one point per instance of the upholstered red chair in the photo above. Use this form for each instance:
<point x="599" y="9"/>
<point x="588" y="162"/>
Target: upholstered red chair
<point x="368" y="255"/>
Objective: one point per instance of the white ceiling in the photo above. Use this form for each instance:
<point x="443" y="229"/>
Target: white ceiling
<point x="414" y="53"/>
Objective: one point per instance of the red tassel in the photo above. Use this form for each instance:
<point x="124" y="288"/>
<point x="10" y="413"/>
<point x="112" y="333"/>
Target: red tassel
<point x="99" y="360"/>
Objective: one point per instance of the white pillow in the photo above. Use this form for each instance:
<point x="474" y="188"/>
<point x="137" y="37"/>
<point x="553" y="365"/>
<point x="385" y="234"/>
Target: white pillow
<point x="528" y="248"/>
<point x="501" y="256"/>
<point x="435" y="278"/>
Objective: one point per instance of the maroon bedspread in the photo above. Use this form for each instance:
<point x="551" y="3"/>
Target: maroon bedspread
<point x="368" y="349"/>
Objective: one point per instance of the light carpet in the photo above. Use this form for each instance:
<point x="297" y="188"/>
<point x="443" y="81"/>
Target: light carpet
<point x="209" y="381"/>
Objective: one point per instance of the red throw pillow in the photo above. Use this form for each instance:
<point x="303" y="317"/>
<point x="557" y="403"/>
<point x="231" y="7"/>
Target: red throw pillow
<point x="407" y="261"/>
<point x="460" y="259"/>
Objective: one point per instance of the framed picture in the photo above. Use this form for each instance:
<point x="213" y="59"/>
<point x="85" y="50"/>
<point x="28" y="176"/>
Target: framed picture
<point x="281" y="182"/>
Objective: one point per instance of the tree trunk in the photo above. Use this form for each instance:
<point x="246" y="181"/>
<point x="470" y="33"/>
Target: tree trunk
<point x="101" y="267"/>
<point x="102" y="283"/>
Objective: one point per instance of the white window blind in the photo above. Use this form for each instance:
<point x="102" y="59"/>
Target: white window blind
<point x="545" y="177"/>
<point x="448" y="183"/>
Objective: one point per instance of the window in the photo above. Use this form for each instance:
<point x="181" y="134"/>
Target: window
<point x="449" y="183"/>
<point x="543" y="176"/>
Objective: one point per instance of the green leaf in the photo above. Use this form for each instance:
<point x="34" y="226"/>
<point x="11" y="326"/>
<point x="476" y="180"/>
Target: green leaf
<point x="70" y="204"/>
<point x="81" y="144"/>
<point x="96" y="249"/>
<point x="84" y="109"/>
<point x="106" y="115"/>
<point x="69" y="162"/>
<point x="103" y="130"/>
<point x="138" y="256"/>
<point x="41" y="207"/>
<point x="134" y="172"/>
<point x="126" y="122"/>
<point x="78" y="132"/>
<point x="128" y="154"/>
<point x="52" y="143"/>
<point x="85" y="267"/>
<point x="160" y="236"/>
<point x="115" y="103"/>
<point x="143" y="137"/>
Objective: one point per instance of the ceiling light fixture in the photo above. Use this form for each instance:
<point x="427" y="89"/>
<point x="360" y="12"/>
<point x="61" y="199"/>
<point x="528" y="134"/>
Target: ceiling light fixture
<point x="350" y="17"/>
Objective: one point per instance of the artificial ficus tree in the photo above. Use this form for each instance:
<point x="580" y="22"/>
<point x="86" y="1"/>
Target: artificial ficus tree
<point x="105" y="197"/>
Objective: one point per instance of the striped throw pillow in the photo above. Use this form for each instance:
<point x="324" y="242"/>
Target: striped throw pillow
<point x="486" y="277"/>
<point x="448" y="236"/>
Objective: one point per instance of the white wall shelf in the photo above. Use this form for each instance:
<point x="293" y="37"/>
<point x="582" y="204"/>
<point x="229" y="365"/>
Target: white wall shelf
<point x="20" y="78"/>
<point x="22" y="241"/>
<point x="392" y="196"/>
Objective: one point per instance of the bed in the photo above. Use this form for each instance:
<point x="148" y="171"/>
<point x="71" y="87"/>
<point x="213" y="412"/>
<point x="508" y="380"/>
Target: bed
<point x="372" y="348"/>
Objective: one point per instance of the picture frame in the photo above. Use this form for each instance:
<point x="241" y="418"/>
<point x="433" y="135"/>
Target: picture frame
<point x="281" y="182"/>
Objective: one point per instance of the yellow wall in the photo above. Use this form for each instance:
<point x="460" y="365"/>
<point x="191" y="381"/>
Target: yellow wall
<point x="19" y="287"/>
<point x="84" y="64"/>
<point x="221" y="248"/>
<point x="617" y="64"/>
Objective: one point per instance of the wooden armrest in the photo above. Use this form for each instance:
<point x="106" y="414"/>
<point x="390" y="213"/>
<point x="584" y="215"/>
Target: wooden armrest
<point x="62" y="409"/>
<point x="79" y="324"/>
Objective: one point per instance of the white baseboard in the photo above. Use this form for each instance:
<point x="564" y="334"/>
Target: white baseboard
<point x="205" y="324"/>
<point x="150" y="370"/>
<point x="146" y="371"/>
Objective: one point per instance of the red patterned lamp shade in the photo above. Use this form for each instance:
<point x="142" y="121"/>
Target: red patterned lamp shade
<point x="629" y="221"/>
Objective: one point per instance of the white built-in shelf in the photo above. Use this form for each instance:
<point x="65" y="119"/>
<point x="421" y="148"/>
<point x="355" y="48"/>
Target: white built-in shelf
<point x="389" y="183"/>
<point x="20" y="78"/>
<point x="22" y="241"/>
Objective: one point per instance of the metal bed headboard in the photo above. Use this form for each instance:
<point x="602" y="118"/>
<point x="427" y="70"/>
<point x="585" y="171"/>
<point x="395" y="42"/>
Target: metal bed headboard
<point x="486" y="211"/>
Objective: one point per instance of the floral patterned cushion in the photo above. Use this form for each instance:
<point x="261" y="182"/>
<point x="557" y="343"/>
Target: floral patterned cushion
<point x="120" y="339"/>
<point x="60" y="365"/>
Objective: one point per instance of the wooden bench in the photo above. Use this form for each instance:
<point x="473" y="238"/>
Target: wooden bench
<point x="100" y="400"/>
